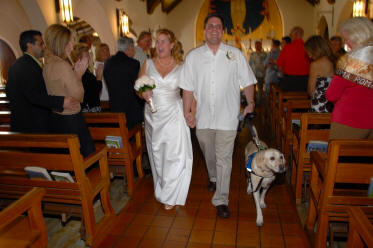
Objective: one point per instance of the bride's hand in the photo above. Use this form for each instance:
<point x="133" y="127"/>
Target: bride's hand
<point x="147" y="95"/>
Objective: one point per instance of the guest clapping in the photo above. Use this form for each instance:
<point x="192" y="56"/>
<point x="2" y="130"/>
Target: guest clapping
<point x="92" y="86"/>
<point x="63" y="79"/>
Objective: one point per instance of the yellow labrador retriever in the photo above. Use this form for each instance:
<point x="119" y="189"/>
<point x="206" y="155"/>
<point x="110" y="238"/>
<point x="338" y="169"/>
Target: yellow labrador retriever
<point x="261" y="167"/>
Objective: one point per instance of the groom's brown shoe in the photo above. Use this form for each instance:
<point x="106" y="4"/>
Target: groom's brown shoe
<point x="222" y="211"/>
<point x="211" y="186"/>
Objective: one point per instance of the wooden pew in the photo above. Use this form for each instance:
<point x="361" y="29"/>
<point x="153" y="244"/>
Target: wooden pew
<point x="4" y="120"/>
<point x="349" y="162"/>
<point x="360" y="232"/>
<point x="293" y="108"/>
<point x="17" y="230"/>
<point x="313" y="126"/>
<point x="120" y="159"/>
<point x="58" y="153"/>
<point x="279" y="110"/>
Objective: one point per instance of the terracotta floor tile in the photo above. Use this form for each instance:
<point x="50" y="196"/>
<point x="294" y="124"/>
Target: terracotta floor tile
<point x="153" y="243"/>
<point x="272" y="241"/>
<point x="292" y="229"/>
<point x="164" y="212"/>
<point x="150" y="208"/>
<point x="223" y="246"/>
<point x="248" y="239"/>
<point x="128" y="242"/>
<point x="271" y="228"/>
<point x="142" y="219"/>
<point x="246" y="226"/>
<point x="156" y="232"/>
<point x="183" y="222"/>
<point x="228" y="225"/>
<point x="135" y="230"/>
<point x="204" y="224"/>
<point x="201" y="236"/>
<point x="224" y="238"/>
<point x="198" y="245"/>
<point x="186" y="212"/>
<point x="162" y="221"/>
<point x="180" y="235"/>
<point x="174" y="244"/>
<point x="295" y="241"/>
<point x="109" y="241"/>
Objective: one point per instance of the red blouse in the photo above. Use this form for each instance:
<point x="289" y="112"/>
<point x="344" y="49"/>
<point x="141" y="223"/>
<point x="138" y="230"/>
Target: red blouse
<point x="353" y="103"/>
<point x="294" y="59"/>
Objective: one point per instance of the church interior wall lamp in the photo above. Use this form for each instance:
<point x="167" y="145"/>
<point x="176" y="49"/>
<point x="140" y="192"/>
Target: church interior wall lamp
<point x="359" y="8"/>
<point x="66" y="10"/>
<point x="123" y="23"/>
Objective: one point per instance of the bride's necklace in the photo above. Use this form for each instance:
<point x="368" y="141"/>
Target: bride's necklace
<point x="165" y="65"/>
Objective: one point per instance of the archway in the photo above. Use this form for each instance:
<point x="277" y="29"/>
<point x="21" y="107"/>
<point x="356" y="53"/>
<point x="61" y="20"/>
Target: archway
<point x="7" y="58"/>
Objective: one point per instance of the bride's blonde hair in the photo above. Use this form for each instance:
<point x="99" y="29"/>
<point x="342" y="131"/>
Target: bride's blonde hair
<point x="177" y="50"/>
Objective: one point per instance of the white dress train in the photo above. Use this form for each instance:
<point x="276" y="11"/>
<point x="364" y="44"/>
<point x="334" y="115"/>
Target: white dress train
<point x="168" y="139"/>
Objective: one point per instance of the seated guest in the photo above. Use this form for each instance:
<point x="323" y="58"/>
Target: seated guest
<point x="351" y="89"/>
<point x="120" y="73"/>
<point x="270" y="64"/>
<point x="63" y="79"/>
<point x="29" y="102"/>
<point x="294" y="63"/>
<point x="337" y="46"/>
<point x="321" y="72"/>
<point x="102" y="54"/>
<point x="92" y="86"/>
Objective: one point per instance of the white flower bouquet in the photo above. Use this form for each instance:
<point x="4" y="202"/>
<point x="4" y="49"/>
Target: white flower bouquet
<point x="143" y="84"/>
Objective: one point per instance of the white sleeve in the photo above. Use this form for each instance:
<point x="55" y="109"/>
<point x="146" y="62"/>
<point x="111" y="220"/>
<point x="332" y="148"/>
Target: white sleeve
<point x="246" y="76"/>
<point x="186" y="79"/>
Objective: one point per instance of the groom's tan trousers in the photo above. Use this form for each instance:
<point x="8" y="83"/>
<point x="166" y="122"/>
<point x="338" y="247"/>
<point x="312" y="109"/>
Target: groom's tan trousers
<point x="217" y="147"/>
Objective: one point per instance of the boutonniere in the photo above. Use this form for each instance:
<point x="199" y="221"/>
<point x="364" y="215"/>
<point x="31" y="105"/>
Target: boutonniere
<point x="230" y="55"/>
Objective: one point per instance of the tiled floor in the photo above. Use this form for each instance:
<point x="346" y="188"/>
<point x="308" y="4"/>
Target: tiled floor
<point x="144" y="222"/>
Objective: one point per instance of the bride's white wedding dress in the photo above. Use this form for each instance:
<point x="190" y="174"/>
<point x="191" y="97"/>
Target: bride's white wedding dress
<point x="168" y="139"/>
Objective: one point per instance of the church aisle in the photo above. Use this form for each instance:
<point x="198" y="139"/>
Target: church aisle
<point x="145" y="223"/>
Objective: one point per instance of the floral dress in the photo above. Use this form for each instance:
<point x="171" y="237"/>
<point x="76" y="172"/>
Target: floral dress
<point x="319" y="103"/>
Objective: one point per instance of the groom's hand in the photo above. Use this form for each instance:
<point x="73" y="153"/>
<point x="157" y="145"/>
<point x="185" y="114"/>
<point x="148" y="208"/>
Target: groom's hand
<point x="248" y="109"/>
<point x="190" y="119"/>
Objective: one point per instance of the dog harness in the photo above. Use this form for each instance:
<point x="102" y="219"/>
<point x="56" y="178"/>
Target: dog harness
<point x="249" y="162"/>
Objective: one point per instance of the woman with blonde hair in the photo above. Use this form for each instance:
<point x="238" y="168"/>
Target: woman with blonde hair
<point x="92" y="86"/>
<point x="167" y="134"/>
<point x="63" y="79"/>
<point x="321" y="72"/>
<point x="351" y="89"/>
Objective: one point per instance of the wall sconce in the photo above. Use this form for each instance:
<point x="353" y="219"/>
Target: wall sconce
<point x="123" y="23"/>
<point x="359" y="8"/>
<point x="66" y="11"/>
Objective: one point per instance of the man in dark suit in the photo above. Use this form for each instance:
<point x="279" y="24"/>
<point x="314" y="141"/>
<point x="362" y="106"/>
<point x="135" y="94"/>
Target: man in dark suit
<point x="30" y="105"/>
<point x="120" y="73"/>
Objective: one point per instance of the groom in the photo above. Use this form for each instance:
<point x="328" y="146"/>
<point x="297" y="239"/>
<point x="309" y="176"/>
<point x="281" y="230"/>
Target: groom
<point x="213" y="74"/>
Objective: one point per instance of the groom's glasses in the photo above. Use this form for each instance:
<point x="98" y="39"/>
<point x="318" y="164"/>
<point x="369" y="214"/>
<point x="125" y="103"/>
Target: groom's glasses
<point x="212" y="26"/>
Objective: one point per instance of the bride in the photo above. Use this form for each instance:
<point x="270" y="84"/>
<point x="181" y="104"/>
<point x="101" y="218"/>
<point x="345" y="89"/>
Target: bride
<point x="167" y="134"/>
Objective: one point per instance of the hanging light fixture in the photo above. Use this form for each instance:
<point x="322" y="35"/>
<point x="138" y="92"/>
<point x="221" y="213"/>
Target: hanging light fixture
<point x="358" y="8"/>
<point x="66" y="11"/>
<point x="123" y="23"/>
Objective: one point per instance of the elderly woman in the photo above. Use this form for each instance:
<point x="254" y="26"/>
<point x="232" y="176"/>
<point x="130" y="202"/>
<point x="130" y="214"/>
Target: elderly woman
<point x="321" y="72"/>
<point x="167" y="134"/>
<point x="351" y="89"/>
<point x="92" y="86"/>
<point x="63" y="79"/>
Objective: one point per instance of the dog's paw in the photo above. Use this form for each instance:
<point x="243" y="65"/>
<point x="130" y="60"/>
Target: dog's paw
<point x="259" y="221"/>
<point x="263" y="205"/>
<point x="249" y="190"/>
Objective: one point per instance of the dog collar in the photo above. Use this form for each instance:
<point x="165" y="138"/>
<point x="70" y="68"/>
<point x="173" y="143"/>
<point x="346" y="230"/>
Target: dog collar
<point x="250" y="161"/>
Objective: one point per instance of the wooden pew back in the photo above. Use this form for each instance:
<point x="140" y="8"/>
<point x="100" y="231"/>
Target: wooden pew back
<point x="58" y="153"/>
<point x="121" y="159"/>
<point x="17" y="230"/>
<point x="313" y="126"/>
<point x="349" y="162"/>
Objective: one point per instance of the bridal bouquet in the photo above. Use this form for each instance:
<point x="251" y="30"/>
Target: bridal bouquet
<point x="145" y="83"/>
